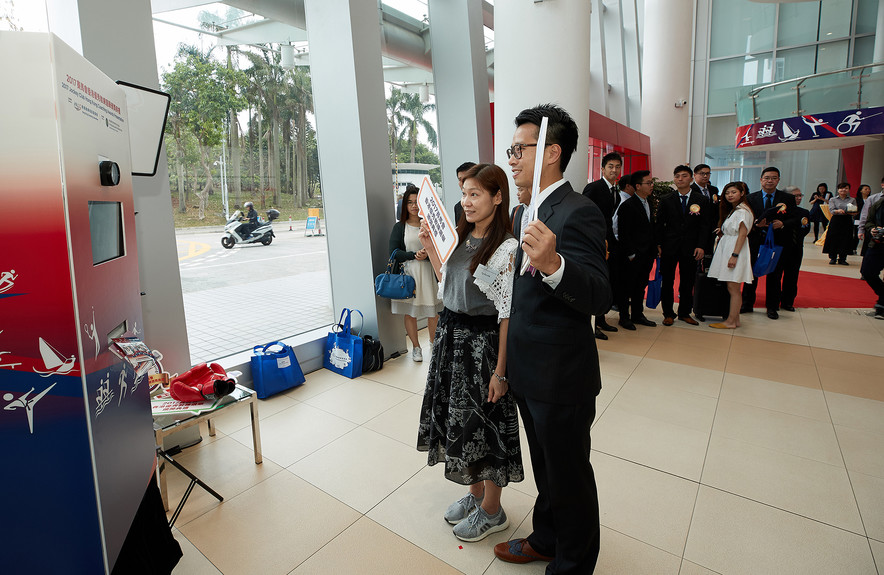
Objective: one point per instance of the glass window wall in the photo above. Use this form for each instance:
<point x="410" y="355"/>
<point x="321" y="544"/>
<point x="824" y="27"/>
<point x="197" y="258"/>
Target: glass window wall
<point x="725" y="76"/>
<point x="863" y="51"/>
<point x="743" y="27"/>
<point x="835" y="19"/>
<point x="798" y="23"/>
<point x="866" y="16"/>
<point x="832" y="56"/>
<point x="795" y="62"/>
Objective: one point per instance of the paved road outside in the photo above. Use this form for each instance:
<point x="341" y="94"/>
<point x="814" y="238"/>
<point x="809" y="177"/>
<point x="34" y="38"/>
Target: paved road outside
<point x="252" y="294"/>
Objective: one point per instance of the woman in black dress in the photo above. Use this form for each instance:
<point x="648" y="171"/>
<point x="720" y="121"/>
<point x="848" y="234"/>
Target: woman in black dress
<point x="817" y="199"/>
<point x="839" y="238"/>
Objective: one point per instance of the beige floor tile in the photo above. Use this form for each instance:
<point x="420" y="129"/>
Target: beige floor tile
<point x="773" y="350"/>
<point x="664" y="446"/>
<point x="787" y="329"/>
<point x="676" y="376"/>
<point x="295" y="433"/>
<point x="693" y="337"/>
<point x="708" y="358"/>
<point x="654" y="401"/>
<point x="226" y="466"/>
<point x="192" y="562"/>
<point x="845" y="332"/>
<point x="878" y="551"/>
<point x="368" y="548"/>
<point x="869" y="492"/>
<point x="733" y="535"/>
<point x="688" y="568"/>
<point x="793" y="373"/>
<point x="620" y="553"/>
<point x="271" y="528"/>
<point x="359" y="400"/>
<point x="232" y="420"/>
<point x="317" y="382"/>
<point x="627" y="343"/>
<point x="527" y="485"/>
<point x="414" y="511"/>
<point x="776" y="396"/>
<point x="863" y="450"/>
<point x="799" y="436"/>
<point x="383" y="465"/>
<point x="643" y="503"/>
<point x="856" y="412"/>
<point x="400" y="422"/>
<point x="611" y="385"/>
<point x="617" y="364"/>
<point x="851" y="374"/>
<point x="403" y="373"/>
<point x="803" y="486"/>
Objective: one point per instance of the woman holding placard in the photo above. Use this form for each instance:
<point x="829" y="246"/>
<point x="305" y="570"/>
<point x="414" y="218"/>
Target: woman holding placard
<point x="469" y="420"/>
<point x="413" y="256"/>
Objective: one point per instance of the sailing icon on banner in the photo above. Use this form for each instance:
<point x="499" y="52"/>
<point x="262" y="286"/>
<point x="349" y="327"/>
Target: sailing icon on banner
<point x="54" y="361"/>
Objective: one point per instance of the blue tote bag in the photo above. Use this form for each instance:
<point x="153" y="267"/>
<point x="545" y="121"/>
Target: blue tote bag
<point x="343" y="349"/>
<point x="652" y="300"/>
<point x="275" y="370"/>
<point x="768" y="255"/>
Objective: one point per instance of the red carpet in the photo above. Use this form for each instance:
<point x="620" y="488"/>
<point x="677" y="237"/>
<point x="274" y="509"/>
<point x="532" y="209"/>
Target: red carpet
<point x="820" y="290"/>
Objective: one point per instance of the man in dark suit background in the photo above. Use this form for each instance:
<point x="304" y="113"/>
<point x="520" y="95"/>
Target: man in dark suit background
<point x="638" y="248"/>
<point x="552" y="359"/>
<point x="798" y="223"/>
<point x="763" y="203"/>
<point x="702" y="173"/>
<point x="461" y="170"/>
<point x="606" y="195"/>
<point x="684" y="221"/>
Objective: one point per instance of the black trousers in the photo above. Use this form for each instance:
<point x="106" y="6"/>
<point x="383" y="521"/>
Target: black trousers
<point x="634" y="276"/>
<point x="873" y="263"/>
<point x="566" y="513"/>
<point x="687" y="275"/>
<point x="773" y="282"/>
<point x="793" y="256"/>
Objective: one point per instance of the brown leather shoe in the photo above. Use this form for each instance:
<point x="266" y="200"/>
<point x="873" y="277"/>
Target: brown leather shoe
<point x="668" y="321"/>
<point x="689" y="320"/>
<point x="518" y="551"/>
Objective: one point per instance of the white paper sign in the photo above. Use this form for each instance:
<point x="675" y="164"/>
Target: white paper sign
<point x="442" y="232"/>
<point x="535" y="188"/>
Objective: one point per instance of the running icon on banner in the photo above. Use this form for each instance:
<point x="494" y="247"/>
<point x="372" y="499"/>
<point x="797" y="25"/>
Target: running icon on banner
<point x="432" y="210"/>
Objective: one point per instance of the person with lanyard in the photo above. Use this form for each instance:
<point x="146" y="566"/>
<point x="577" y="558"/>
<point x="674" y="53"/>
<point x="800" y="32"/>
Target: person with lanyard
<point x="605" y="193"/>
<point x="770" y="206"/>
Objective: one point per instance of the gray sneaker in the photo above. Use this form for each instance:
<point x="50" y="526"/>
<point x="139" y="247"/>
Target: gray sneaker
<point x="458" y="510"/>
<point x="479" y="525"/>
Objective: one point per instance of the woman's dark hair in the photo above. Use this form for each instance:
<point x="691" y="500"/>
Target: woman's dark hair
<point x="824" y="186"/>
<point x="491" y="179"/>
<point x="410" y="189"/>
<point x="725" y="208"/>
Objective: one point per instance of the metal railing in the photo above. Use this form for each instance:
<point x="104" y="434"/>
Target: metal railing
<point x="816" y="93"/>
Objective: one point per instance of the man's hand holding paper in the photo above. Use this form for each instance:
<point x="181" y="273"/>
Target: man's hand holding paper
<point x="539" y="244"/>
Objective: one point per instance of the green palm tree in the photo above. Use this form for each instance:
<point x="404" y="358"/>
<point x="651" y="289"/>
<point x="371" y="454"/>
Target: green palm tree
<point x="395" y="119"/>
<point x="414" y="111"/>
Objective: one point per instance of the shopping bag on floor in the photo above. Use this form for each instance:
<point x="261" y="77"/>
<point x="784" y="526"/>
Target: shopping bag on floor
<point x="372" y="354"/>
<point x="275" y="370"/>
<point x="768" y="255"/>
<point x="343" y="349"/>
<point x="652" y="300"/>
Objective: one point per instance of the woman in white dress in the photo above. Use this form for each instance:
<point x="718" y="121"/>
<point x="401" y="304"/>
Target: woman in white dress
<point x="413" y="257"/>
<point x="731" y="262"/>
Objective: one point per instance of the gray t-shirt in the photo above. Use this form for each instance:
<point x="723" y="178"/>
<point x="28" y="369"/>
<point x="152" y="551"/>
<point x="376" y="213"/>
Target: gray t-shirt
<point x="459" y="292"/>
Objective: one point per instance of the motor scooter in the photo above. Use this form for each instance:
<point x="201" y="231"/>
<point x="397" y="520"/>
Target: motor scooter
<point x="234" y="231"/>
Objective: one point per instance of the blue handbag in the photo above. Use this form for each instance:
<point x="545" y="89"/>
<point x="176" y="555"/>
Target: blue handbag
<point x="768" y="255"/>
<point x="394" y="286"/>
<point x="655" y="287"/>
<point x="343" y="349"/>
<point x="275" y="370"/>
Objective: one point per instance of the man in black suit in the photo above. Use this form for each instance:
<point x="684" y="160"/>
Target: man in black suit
<point x="635" y="233"/>
<point x="798" y="223"/>
<point x="763" y="204"/>
<point x="684" y="221"/>
<point x="606" y="195"/>
<point x="552" y="360"/>
<point x="461" y="171"/>
<point x="701" y="184"/>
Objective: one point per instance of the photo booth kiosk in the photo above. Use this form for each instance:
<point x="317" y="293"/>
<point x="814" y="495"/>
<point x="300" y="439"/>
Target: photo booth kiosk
<point x="75" y="419"/>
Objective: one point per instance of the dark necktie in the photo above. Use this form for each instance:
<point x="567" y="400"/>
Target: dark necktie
<point x="616" y="191"/>
<point x="768" y="200"/>
<point x="684" y="204"/>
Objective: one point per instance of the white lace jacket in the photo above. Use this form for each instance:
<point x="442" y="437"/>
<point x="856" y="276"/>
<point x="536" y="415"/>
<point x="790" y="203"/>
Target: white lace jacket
<point x="499" y="291"/>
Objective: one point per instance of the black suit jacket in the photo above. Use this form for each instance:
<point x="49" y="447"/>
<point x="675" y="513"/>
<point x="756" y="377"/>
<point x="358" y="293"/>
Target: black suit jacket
<point x="551" y="351"/>
<point x="600" y="193"/>
<point x="782" y="235"/>
<point x="635" y="229"/>
<point x="680" y="233"/>
<point x="798" y="223"/>
<point x="712" y="190"/>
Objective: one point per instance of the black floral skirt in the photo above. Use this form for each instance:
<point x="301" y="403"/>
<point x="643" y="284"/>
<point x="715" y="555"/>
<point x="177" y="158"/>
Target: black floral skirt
<point x="478" y="440"/>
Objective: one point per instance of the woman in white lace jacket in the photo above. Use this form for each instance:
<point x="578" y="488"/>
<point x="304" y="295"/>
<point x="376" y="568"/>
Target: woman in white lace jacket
<point x="469" y="420"/>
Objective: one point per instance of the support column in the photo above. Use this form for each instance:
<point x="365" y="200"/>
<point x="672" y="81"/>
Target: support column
<point x="460" y="74"/>
<point x="117" y="37"/>
<point x="541" y="54"/>
<point x="354" y="160"/>
<point x="667" y="79"/>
